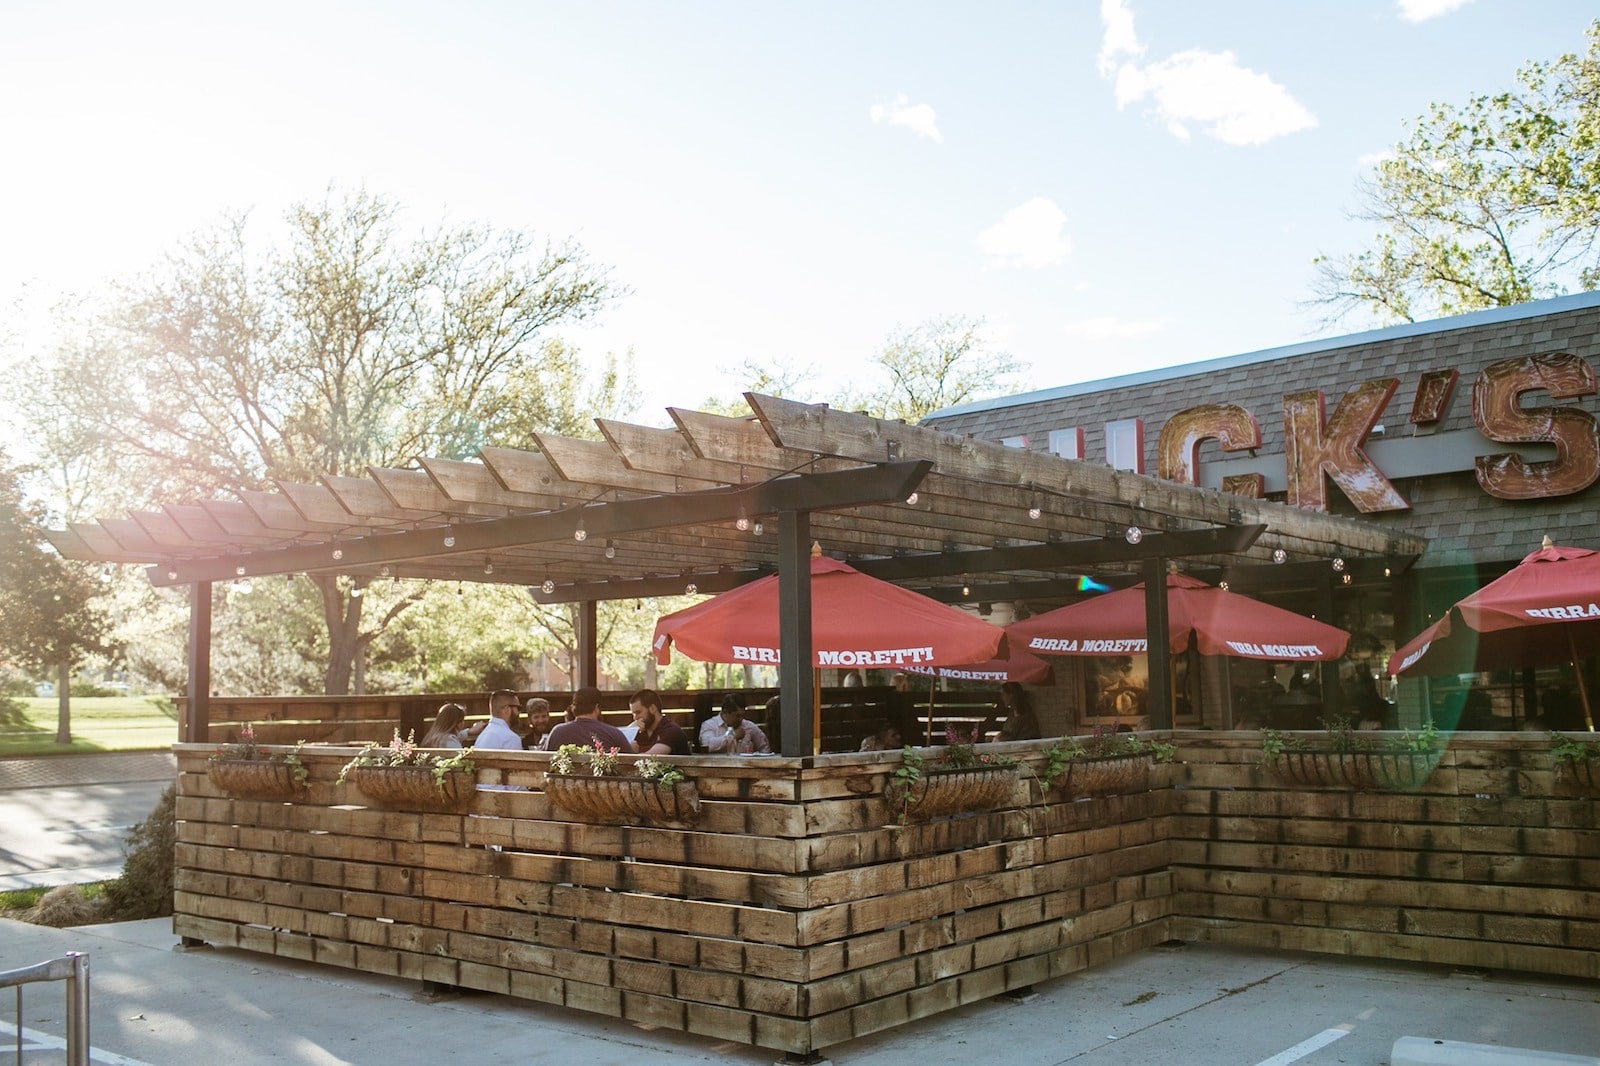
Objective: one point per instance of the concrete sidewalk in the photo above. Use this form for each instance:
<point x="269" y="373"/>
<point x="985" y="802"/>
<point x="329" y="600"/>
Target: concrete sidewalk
<point x="152" y="1004"/>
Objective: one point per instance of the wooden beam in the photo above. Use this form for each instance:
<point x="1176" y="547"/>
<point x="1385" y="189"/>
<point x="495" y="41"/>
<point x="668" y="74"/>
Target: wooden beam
<point x="840" y="489"/>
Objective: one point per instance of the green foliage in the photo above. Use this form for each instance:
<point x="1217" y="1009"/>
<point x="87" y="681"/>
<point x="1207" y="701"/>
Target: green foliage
<point x="661" y="772"/>
<point x="1489" y="203"/>
<point x="405" y="752"/>
<point x="1569" y="750"/>
<point x="145" y="888"/>
<point x="48" y="603"/>
<point x="343" y="345"/>
<point x="1101" y="744"/>
<point x="573" y="759"/>
<point x="248" y="750"/>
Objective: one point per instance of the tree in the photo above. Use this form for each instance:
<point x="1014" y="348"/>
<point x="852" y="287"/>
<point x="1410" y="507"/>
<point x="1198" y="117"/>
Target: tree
<point x="341" y="346"/>
<point x="1491" y="203"/>
<point x="939" y="363"/>
<point x="51" y="620"/>
<point x="935" y="364"/>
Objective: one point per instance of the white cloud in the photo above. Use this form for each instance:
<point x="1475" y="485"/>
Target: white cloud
<point x="1029" y="235"/>
<point x="1230" y="102"/>
<point x="918" y="118"/>
<point x="1106" y="327"/>
<point x="1423" y="10"/>
<point x="1119" y="40"/>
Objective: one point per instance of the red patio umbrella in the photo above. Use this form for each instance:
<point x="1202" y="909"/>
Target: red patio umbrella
<point x="1544" y="610"/>
<point x="1216" y="621"/>
<point x="857" y="621"/>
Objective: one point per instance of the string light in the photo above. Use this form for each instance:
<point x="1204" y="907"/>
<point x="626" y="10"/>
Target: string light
<point x="690" y="589"/>
<point x="911" y="500"/>
<point x="1347" y="579"/>
<point x="1223" y="585"/>
<point x="1338" y="564"/>
<point x="742" y="524"/>
<point x="172" y="575"/>
<point x="238" y="571"/>
<point x="1034" y="510"/>
<point x="611" y="550"/>
<point x="488" y="567"/>
<point x="450" y="542"/>
<point x="338" y="553"/>
<point x="580" y="534"/>
<point x="758" y="528"/>
<point x="384" y="570"/>
<point x="1133" y="535"/>
<point x="1279" y="555"/>
<point x="547" y="587"/>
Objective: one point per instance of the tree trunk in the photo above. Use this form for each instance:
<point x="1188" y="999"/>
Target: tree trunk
<point x="63" y="703"/>
<point x="341" y="612"/>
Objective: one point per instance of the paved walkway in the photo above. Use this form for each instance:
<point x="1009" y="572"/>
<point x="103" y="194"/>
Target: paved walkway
<point x="1192" y="1004"/>
<point x="51" y="771"/>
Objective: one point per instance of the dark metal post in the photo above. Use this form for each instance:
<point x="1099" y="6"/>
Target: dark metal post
<point x="796" y="679"/>
<point x="197" y="710"/>
<point x="1157" y="647"/>
<point x="588" y="644"/>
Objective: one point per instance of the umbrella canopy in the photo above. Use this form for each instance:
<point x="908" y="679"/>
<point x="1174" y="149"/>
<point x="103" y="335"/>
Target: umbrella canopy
<point x="856" y="621"/>
<point x="1020" y="666"/>
<point x="1216" y="621"/>
<point x="1546" y="609"/>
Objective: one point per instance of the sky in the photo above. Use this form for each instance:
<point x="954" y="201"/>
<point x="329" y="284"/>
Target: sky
<point x="1111" y="187"/>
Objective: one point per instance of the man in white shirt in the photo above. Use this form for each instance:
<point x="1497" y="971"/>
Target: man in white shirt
<point x="497" y="733"/>
<point x="503" y="704"/>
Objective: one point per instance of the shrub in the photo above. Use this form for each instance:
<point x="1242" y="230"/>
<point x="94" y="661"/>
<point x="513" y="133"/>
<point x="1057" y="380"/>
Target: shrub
<point x="65" y="905"/>
<point x="145" y="888"/>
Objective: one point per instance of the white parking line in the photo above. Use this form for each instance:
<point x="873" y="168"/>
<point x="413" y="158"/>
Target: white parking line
<point x="1305" y="1047"/>
<point x="37" y="1041"/>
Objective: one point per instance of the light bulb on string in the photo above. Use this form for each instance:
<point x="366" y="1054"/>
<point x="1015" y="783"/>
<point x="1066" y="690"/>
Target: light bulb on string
<point x="611" y="550"/>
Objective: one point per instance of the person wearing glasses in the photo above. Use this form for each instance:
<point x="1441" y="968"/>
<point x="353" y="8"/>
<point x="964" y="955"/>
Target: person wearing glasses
<point x="499" y="732"/>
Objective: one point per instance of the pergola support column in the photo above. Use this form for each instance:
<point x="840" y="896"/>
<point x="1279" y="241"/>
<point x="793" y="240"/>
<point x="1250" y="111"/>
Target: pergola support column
<point x="588" y="643"/>
<point x="796" y="676"/>
<point x="1158" y="648"/>
<point x="197" y="708"/>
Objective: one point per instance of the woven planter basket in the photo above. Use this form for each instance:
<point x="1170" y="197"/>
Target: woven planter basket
<point x="254" y="778"/>
<point x="623" y="797"/>
<point x="1581" y="774"/>
<point x="412" y="788"/>
<point x="1390" y="771"/>
<point x="1106" y="775"/>
<point x="942" y="792"/>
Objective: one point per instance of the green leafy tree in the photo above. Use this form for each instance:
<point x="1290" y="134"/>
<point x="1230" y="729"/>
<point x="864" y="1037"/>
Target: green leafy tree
<point x="48" y="604"/>
<point x="1486" y="204"/>
<point x="340" y="345"/>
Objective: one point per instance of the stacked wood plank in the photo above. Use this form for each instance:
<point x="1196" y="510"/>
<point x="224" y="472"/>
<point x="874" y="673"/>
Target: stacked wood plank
<point x="1492" y="862"/>
<point x="794" y="915"/>
<point x="797" y="914"/>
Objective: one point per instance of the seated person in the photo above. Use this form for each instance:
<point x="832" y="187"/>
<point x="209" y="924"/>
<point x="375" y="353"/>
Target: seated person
<point x="500" y="730"/>
<point x="657" y="734"/>
<point x="887" y="738"/>
<point x="705" y="709"/>
<point x="537" y="712"/>
<point x="586" y="727"/>
<point x="447" y="727"/>
<point x="1021" y="723"/>
<point x="730" y="734"/>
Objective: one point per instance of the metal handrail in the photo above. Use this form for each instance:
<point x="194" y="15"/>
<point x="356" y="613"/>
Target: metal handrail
<point x="73" y="968"/>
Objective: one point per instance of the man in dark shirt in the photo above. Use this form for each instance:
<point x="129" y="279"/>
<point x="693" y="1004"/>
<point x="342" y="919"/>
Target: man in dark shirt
<point x="658" y="734"/>
<point x="586" y="726"/>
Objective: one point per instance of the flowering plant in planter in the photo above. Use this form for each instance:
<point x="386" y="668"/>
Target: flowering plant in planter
<point x="405" y="752"/>
<point x="662" y="773"/>
<point x="600" y="760"/>
<point x="958" y="780"/>
<point x="247" y="750"/>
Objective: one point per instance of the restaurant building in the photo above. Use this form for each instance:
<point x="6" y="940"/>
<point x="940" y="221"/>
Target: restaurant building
<point x="1477" y="432"/>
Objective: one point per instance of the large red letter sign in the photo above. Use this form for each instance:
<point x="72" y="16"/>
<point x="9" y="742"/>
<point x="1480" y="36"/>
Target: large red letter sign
<point x="1500" y="416"/>
<point x="1178" y="449"/>
<point x="1312" y="448"/>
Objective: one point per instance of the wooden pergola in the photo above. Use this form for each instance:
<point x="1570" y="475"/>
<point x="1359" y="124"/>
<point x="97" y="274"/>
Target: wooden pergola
<point x="716" y="501"/>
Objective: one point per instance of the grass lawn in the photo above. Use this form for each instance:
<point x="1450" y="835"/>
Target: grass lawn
<point x="110" y="723"/>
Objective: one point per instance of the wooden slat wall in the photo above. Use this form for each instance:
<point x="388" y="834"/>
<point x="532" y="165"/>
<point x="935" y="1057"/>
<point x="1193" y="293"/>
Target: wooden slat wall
<point x="1491" y="863"/>
<point x="794" y="915"/>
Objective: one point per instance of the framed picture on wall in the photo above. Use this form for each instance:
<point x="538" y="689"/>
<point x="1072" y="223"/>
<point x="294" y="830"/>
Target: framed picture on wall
<point x="1116" y="691"/>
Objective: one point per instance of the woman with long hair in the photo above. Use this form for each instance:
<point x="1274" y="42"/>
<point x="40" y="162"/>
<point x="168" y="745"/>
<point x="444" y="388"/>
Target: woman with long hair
<point x="446" y="729"/>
